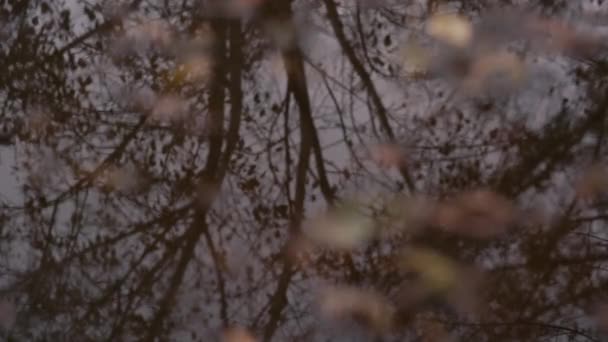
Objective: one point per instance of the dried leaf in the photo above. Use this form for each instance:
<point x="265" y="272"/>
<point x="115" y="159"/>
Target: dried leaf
<point x="197" y="68"/>
<point x="141" y="37"/>
<point x="440" y="276"/>
<point x="560" y="37"/>
<point x="113" y="11"/>
<point x="479" y="214"/>
<point x="139" y="99"/>
<point x="437" y="273"/>
<point x="124" y="179"/>
<point x="342" y="228"/>
<point x="297" y="251"/>
<point x="38" y="121"/>
<point x="593" y="183"/>
<point x="169" y="108"/>
<point x="416" y="59"/>
<point x="8" y="315"/>
<point x="366" y="307"/>
<point x="487" y="66"/>
<point x="465" y="296"/>
<point x="388" y="155"/>
<point x="238" y="335"/>
<point x="156" y="32"/>
<point x="407" y="214"/>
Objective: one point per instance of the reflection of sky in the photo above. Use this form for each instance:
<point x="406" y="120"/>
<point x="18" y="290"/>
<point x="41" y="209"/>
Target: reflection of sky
<point x="325" y="50"/>
<point x="9" y="183"/>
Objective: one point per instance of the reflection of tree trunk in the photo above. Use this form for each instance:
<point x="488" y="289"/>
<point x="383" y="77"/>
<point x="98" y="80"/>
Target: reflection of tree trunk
<point x="209" y="174"/>
<point x="221" y="283"/>
<point x="297" y="86"/>
<point x="236" y="93"/>
<point x="380" y="109"/>
<point x="326" y="188"/>
<point x="191" y="238"/>
<point x="552" y="149"/>
<point x="145" y="284"/>
<point x="236" y="105"/>
<point x="278" y="301"/>
<point x="216" y="101"/>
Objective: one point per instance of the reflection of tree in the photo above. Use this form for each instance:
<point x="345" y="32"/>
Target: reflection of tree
<point x="119" y="232"/>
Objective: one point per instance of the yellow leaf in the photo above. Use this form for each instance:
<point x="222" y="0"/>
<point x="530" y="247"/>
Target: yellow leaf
<point x="451" y="29"/>
<point x="436" y="272"/>
<point x="495" y="63"/>
<point x="342" y="228"/>
<point x="415" y="58"/>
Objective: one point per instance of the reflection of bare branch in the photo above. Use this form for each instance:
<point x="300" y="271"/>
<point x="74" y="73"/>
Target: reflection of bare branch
<point x="532" y="324"/>
<point x="221" y="282"/>
<point x="379" y="107"/>
<point x="104" y="165"/>
<point x="100" y="28"/>
<point x="552" y="148"/>
<point x="294" y="66"/>
<point x="190" y="238"/>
